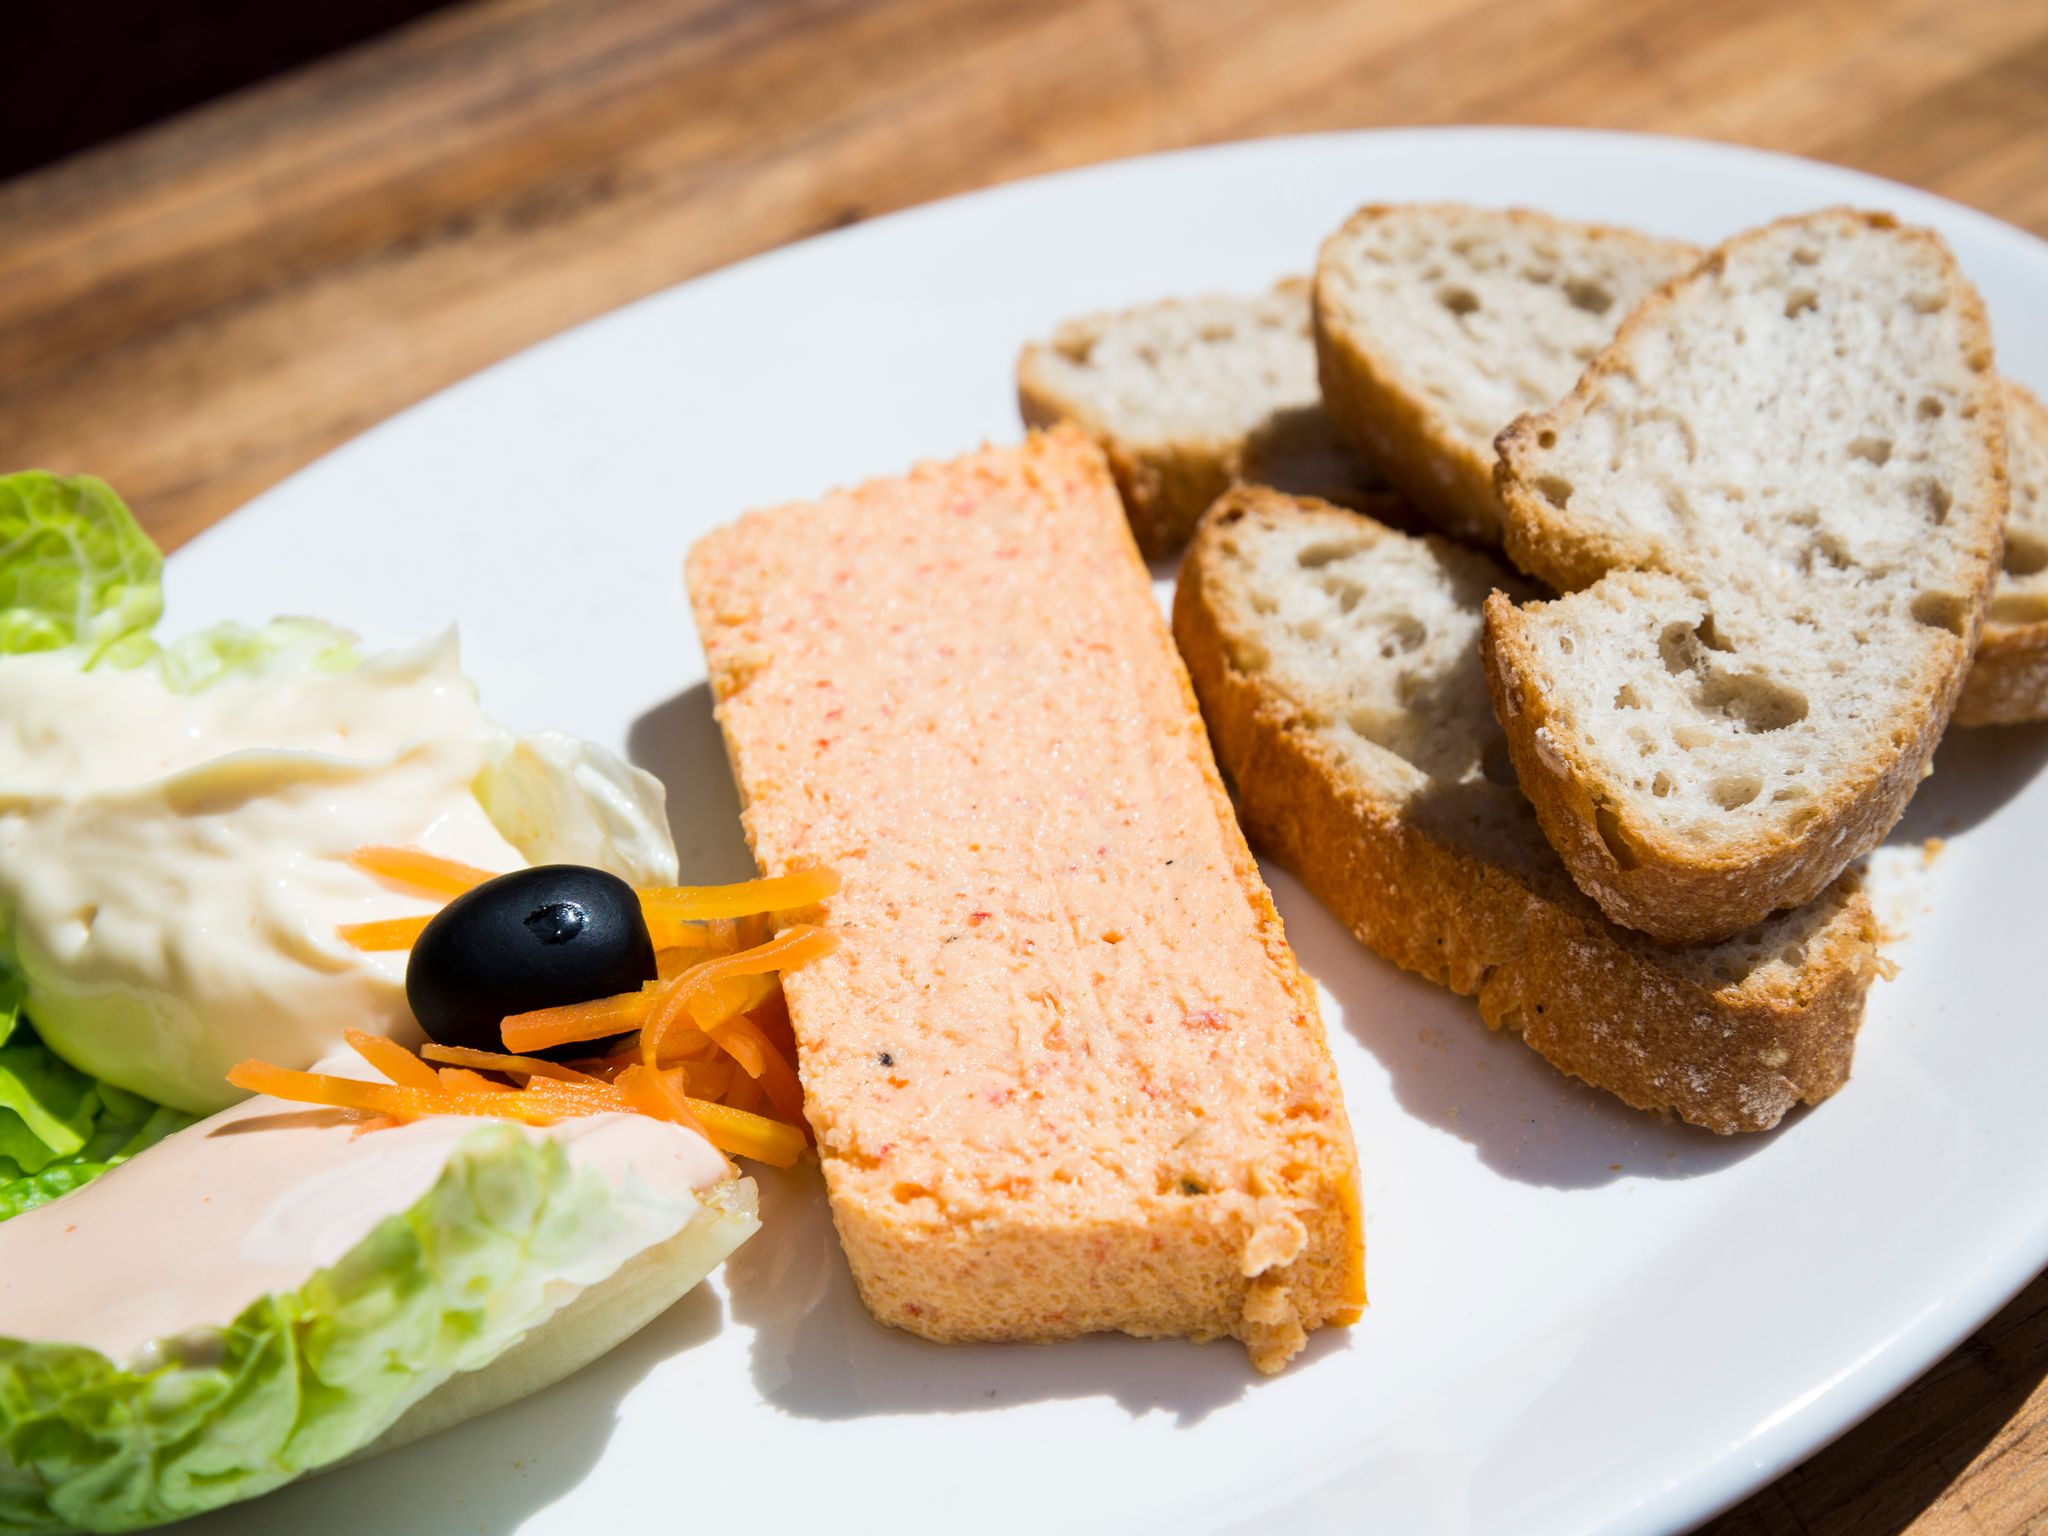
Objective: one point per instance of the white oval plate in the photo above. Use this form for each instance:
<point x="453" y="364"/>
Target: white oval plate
<point x="1582" y="1320"/>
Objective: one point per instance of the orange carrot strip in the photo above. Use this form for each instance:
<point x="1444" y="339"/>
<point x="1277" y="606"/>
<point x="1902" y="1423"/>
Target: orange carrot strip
<point x="653" y="1094"/>
<point x="776" y="1077"/>
<point x="750" y="930"/>
<point x="495" y="1061"/>
<point x="418" y="868"/>
<point x="793" y="947"/>
<point x="591" y="1095"/>
<point x="707" y="1079"/>
<point x="678" y="933"/>
<point x="778" y="893"/>
<point x="385" y="934"/>
<point x="388" y="1098"/>
<point x="392" y="1059"/>
<point x="525" y="1033"/>
<point x="712" y="1003"/>
<point x="773" y="1017"/>
<point x="671" y="963"/>
<point x="748" y="1135"/>
<point x="462" y="1080"/>
<point x="744" y="1094"/>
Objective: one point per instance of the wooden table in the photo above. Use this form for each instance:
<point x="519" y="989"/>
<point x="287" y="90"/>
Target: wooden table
<point x="198" y="311"/>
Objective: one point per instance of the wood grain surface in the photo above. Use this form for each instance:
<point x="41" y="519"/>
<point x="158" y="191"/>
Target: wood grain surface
<point x="195" y="312"/>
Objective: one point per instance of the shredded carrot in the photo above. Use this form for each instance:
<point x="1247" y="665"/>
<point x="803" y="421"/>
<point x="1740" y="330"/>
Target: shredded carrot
<point x="711" y="1034"/>
<point x="392" y="1059"/>
<point x="773" y="1017"/>
<point x="388" y="1098"/>
<point x="706" y="1079"/>
<point x="543" y="1028"/>
<point x="653" y="1094"/>
<point x="747" y="1135"/>
<point x="671" y="962"/>
<point x="712" y="1003"/>
<point x="681" y="934"/>
<point x="778" y="893"/>
<point x="744" y="1094"/>
<point x="793" y="947"/>
<point x="386" y="934"/>
<point x="777" y="1078"/>
<point x="496" y="1061"/>
<point x="420" y="869"/>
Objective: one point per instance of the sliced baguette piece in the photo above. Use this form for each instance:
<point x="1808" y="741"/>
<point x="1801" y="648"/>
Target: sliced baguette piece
<point x="1337" y="663"/>
<point x="2008" y="682"/>
<point x="1437" y="324"/>
<point x="1776" y="505"/>
<point x="1064" y="1072"/>
<point x="1189" y="396"/>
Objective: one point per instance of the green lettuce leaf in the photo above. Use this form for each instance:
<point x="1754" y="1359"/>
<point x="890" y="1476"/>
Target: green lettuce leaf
<point x="59" y="1128"/>
<point x="303" y="1378"/>
<point x="281" y="648"/>
<point x="75" y="569"/>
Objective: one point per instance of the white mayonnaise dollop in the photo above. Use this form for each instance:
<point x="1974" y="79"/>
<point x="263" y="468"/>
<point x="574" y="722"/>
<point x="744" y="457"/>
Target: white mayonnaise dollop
<point x="173" y="867"/>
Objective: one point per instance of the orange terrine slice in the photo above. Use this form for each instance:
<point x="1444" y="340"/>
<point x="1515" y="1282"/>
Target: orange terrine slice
<point x="1064" y="1072"/>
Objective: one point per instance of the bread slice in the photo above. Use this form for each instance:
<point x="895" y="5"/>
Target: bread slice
<point x="1337" y="663"/>
<point x="1776" y="504"/>
<point x="1189" y="396"/>
<point x="1437" y="324"/>
<point x="2008" y="682"/>
<point x="1064" y="1073"/>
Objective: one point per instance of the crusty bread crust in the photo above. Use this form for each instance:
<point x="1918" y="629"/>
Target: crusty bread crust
<point x="1641" y="877"/>
<point x="1606" y="1005"/>
<point x="1266" y="1251"/>
<point x="2008" y="682"/>
<point x="1393" y="424"/>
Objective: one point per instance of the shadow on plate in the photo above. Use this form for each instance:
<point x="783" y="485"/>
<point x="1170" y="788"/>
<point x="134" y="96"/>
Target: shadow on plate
<point x="1526" y="1120"/>
<point x="1976" y="771"/>
<point x="680" y="744"/>
<point x="818" y="1355"/>
<point x="512" y="1463"/>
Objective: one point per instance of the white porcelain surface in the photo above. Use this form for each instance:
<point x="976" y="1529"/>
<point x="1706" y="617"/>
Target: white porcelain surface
<point x="1582" y="1320"/>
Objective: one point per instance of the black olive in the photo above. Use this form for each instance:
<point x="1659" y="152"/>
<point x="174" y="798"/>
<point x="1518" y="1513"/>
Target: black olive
<point x="536" y="938"/>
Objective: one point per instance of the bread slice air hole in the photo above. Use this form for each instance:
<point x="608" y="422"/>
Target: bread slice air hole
<point x="1874" y="450"/>
<point x="1935" y="497"/>
<point x="1589" y="296"/>
<point x="1345" y="594"/>
<point x="1732" y="791"/>
<point x="1555" y="489"/>
<point x="1459" y="301"/>
<point x="1404" y="632"/>
<point x="1800" y="301"/>
<point x="1942" y="610"/>
<point x="1755" y="702"/>
<point x="1313" y="557"/>
<point x="2026" y="553"/>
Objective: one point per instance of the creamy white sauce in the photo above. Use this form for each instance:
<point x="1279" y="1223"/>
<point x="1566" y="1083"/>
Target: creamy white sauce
<point x="173" y="867"/>
<point x="258" y="1198"/>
